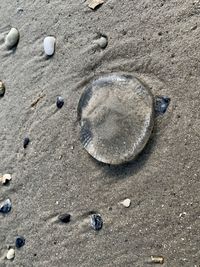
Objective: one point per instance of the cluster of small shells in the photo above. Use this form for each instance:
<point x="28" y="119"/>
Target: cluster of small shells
<point x="12" y="39"/>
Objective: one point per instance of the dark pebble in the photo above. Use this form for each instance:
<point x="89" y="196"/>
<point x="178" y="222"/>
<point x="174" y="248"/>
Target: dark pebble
<point x="19" y="242"/>
<point x="65" y="218"/>
<point x="96" y="222"/>
<point x="26" y="142"/>
<point x="59" y="102"/>
<point x="5" y="206"/>
<point x="161" y="104"/>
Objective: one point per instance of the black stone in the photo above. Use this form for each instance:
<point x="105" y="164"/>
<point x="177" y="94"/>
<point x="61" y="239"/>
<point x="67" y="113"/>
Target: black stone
<point x="19" y="242"/>
<point x="59" y="102"/>
<point x="65" y="218"/>
<point x="96" y="222"/>
<point x="161" y="104"/>
<point x="26" y="142"/>
<point x="5" y="206"/>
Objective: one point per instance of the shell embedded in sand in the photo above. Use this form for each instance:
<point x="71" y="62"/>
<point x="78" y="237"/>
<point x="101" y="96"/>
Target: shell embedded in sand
<point x="116" y="117"/>
<point x="96" y="222"/>
<point x="102" y="42"/>
<point x="126" y="203"/>
<point x="5" y="206"/>
<point x="59" y="102"/>
<point x="12" y="38"/>
<point x="2" y="89"/>
<point x="49" y="45"/>
<point x="5" y="178"/>
<point x="20" y="241"/>
<point x="10" y="254"/>
<point x="94" y="3"/>
<point x="161" y="104"/>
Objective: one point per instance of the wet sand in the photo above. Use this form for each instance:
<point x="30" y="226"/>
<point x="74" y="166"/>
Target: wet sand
<point x="158" y="41"/>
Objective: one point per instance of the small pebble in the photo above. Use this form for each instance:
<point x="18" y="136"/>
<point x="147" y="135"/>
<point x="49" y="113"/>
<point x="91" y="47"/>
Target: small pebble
<point x="11" y="254"/>
<point x="5" y="178"/>
<point x="65" y="218"/>
<point x="126" y="202"/>
<point x="59" y="102"/>
<point x="49" y="45"/>
<point x="19" y="242"/>
<point x="96" y="222"/>
<point x="161" y="104"/>
<point x="2" y="89"/>
<point x="12" y="38"/>
<point x="26" y="142"/>
<point x="102" y="42"/>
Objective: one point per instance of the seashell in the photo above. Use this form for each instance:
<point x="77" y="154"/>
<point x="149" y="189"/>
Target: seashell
<point x="116" y="117"/>
<point x="96" y="222"/>
<point x="102" y="42"/>
<point x="26" y="142"/>
<point x="154" y="260"/>
<point x="49" y="45"/>
<point x="12" y="38"/>
<point x="5" y="178"/>
<point x="65" y="218"/>
<point x="19" y="242"/>
<point x="94" y="3"/>
<point x="126" y="203"/>
<point x="11" y="254"/>
<point x="5" y="206"/>
<point x="2" y="89"/>
<point x="161" y="104"/>
<point x="59" y="102"/>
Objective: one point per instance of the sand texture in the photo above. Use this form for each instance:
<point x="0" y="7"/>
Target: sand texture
<point x="158" y="42"/>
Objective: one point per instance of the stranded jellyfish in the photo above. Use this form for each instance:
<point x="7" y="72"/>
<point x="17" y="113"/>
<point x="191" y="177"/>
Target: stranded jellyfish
<point x="116" y="115"/>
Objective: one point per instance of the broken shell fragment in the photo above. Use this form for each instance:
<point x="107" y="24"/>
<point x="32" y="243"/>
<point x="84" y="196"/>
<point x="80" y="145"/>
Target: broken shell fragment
<point x="126" y="203"/>
<point x="2" y="89"/>
<point x="49" y="45"/>
<point x="12" y="38"/>
<point x="116" y="117"/>
<point x="94" y="3"/>
<point x="161" y="104"/>
<point x="5" y="178"/>
<point x="155" y="260"/>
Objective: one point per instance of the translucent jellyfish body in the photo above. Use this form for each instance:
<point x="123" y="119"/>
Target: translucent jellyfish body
<point x="116" y="116"/>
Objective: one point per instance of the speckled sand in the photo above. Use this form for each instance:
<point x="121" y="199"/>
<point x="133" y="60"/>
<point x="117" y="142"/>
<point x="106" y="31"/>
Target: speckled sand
<point x="156" y="40"/>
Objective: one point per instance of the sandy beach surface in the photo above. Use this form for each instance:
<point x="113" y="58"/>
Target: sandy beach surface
<point x="156" y="40"/>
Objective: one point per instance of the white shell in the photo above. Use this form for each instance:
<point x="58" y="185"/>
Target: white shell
<point x="49" y="45"/>
<point x="126" y="202"/>
<point x="6" y="177"/>
<point x="11" y="254"/>
<point x="12" y="38"/>
<point x="102" y="42"/>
